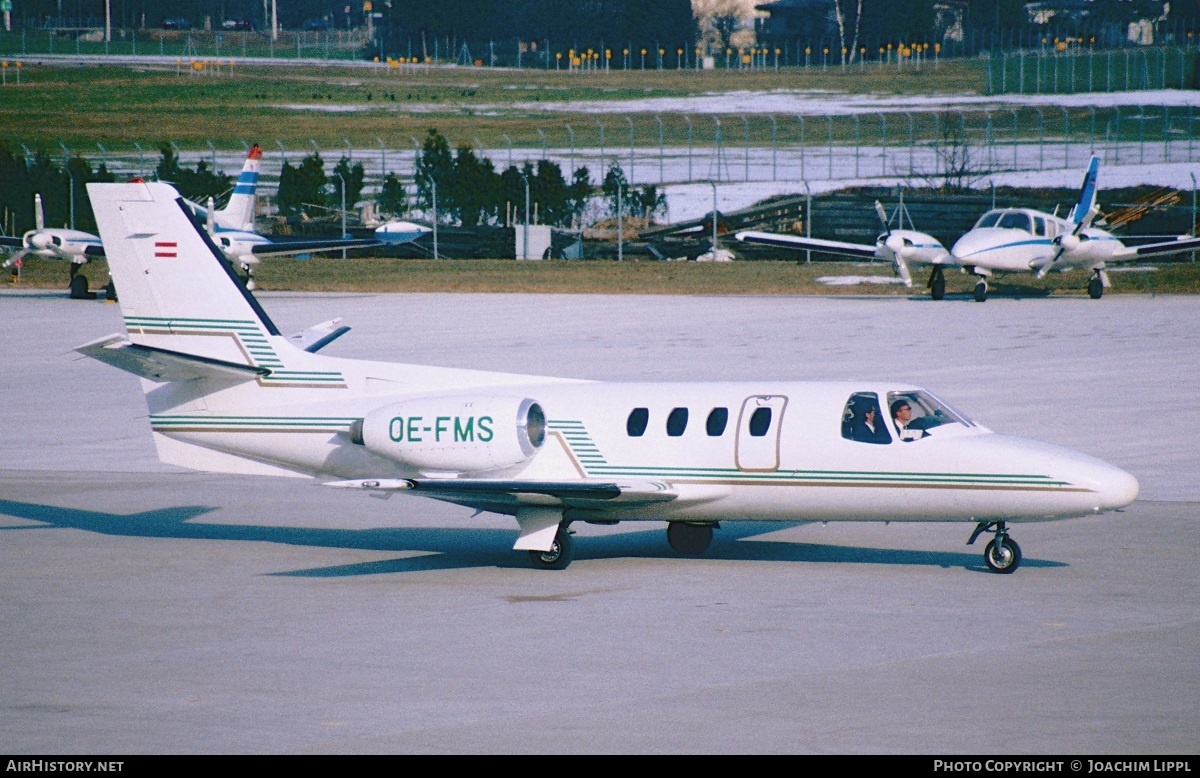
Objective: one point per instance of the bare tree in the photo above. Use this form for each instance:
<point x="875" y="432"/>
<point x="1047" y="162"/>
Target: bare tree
<point x="851" y="51"/>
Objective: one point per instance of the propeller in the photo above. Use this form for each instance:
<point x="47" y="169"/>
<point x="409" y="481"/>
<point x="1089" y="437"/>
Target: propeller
<point x="1083" y="214"/>
<point x="895" y="245"/>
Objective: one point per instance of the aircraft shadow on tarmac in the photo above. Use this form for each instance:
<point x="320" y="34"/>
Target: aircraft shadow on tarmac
<point x="451" y="548"/>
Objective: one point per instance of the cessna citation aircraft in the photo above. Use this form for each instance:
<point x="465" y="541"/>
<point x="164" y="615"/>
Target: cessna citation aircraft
<point x="227" y="393"/>
<point x="1009" y="240"/>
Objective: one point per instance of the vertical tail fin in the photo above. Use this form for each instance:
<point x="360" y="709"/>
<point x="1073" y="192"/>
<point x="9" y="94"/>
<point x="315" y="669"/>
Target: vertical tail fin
<point x="177" y="291"/>
<point x="238" y="213"/>
<point x="1085" y="208"/>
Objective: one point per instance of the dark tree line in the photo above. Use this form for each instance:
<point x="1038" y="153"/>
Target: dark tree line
<point x="306" y="185"/>
<point x="21" y="178"/>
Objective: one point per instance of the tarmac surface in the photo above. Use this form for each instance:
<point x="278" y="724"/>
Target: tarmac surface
<point x="149" y="610"/>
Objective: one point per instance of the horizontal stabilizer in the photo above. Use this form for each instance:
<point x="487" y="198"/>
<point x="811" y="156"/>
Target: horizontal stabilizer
<point x="567" y="492"/>
<point x="318" y="336"/>
<point x="164" y="365"/>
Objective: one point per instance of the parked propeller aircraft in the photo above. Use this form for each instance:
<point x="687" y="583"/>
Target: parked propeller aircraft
<point x="232" y="227"/>
<point x="1011" y="240"/>
<point x="75" y="246"/>
<point x="227" y="393"/>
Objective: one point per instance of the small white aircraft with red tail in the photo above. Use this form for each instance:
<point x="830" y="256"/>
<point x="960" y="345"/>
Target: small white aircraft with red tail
<point x="228" y="393"/>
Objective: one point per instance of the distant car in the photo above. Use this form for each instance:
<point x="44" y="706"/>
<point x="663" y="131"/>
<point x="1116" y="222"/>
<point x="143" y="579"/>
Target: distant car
<point x="236" y="24"/>
<point x="318" y="24"/>
<point x="176" y="24"/>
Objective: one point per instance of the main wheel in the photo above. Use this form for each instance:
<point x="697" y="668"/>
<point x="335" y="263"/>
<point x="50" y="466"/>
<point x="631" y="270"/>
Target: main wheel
<point x="981" y="291"/>
<point x="79" y="288"/>
<point x="689" y="539"/>
<point x="1095" y="288"/>
<point x="937" y="290"/>
<point x="1002" y="555"/>
<point x="561" y="552"/>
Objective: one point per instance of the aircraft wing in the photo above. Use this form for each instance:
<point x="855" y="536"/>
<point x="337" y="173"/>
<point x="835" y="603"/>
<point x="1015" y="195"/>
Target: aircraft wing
<point x="797" y="243"/>
<point x="504" y="495"/>
<point x="162" y="365"/>
<point x="1177" y="246"/>
<point x="7" y="241"/>
<point x="93" y="251"/>
<point x="281" y="248"/>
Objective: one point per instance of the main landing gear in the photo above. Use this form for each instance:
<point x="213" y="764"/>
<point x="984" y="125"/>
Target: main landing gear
<point x="1002" y="554"/>
<point x="937" y="283"/>
<point x="689" y="539"/>
<point x="561" y="552"/>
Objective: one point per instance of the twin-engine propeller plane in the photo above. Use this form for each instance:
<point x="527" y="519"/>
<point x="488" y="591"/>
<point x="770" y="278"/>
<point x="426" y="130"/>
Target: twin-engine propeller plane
<point x="232" y="227"/>
<point x="75" y="246"/>
<point x="1011" y="240"/>
<point x="227" y="393"/>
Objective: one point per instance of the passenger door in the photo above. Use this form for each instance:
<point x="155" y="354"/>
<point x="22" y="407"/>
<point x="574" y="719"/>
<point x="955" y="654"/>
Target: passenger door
<point x="757" y="446"/>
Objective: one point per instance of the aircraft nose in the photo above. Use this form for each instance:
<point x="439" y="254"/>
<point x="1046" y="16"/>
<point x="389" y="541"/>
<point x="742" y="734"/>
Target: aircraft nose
<point x="1120" y="489"/>
<point x="1111" y="487"/>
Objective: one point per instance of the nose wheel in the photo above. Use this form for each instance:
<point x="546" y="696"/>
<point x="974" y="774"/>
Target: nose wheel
<point x="1002" y="554"/>
<point x="1096" y="287"/>
<point x="981" y="291"/>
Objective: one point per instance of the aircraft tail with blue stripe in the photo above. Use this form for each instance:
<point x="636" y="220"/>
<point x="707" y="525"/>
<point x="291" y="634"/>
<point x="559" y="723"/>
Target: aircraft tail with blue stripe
<point x="1085" y="210"/>
<point x="238" y="213"/>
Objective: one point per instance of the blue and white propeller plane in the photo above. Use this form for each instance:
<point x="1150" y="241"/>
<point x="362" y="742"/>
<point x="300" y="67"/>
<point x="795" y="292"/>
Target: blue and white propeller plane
<point x="75" y="246"/>
<point x="1009" y="240"/>
<point x="232" y="227"/>
<point x="227" y="393"/>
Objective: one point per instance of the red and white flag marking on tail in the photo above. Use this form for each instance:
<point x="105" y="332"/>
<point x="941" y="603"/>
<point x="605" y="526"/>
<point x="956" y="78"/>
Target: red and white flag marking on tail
<point x="165" y="248"/>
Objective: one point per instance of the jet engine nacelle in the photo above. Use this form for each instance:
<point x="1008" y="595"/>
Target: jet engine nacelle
<point x="455" y="434"/>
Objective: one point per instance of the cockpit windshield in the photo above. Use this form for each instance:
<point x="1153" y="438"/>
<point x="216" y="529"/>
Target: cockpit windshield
<point x="914" y="413"/>
<point x="1015" y="220"/>
<point x="989" y="219"/>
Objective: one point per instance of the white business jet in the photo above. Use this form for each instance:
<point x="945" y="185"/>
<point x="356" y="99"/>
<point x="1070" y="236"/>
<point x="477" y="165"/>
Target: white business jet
<point x="227" y="393"/>
<point x="1006" y="240"/>
<point x="899" y="247"/>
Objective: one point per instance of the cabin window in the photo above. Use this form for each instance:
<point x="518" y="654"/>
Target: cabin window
<point x="1015" y="220"/>
<point x="1039" y="225"/>
<point x="717" y="419"/>
<point x="760" y="422"/>
<point x="677" y="422"/>
<point x="863" y="421"/>
<point x="914" y="414"/>
<point x="635" y="425"/>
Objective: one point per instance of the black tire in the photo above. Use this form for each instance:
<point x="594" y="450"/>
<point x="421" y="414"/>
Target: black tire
<point x="689" y="539"/>
<point x="981" y="291"/>
<point x="79" y="288"/>
<point x="560" y="554"/>
<point x="937" y="290"/>
<point x="1095" y="288"/>
<point x="1002" y="555"/>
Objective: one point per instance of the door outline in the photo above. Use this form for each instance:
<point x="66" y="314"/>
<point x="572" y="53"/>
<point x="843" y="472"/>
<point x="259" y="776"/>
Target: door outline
<point x="759" y="454"/>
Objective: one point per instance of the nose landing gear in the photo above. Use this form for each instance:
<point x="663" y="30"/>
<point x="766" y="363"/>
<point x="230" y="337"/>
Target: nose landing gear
<point x="1002" y="554"/>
